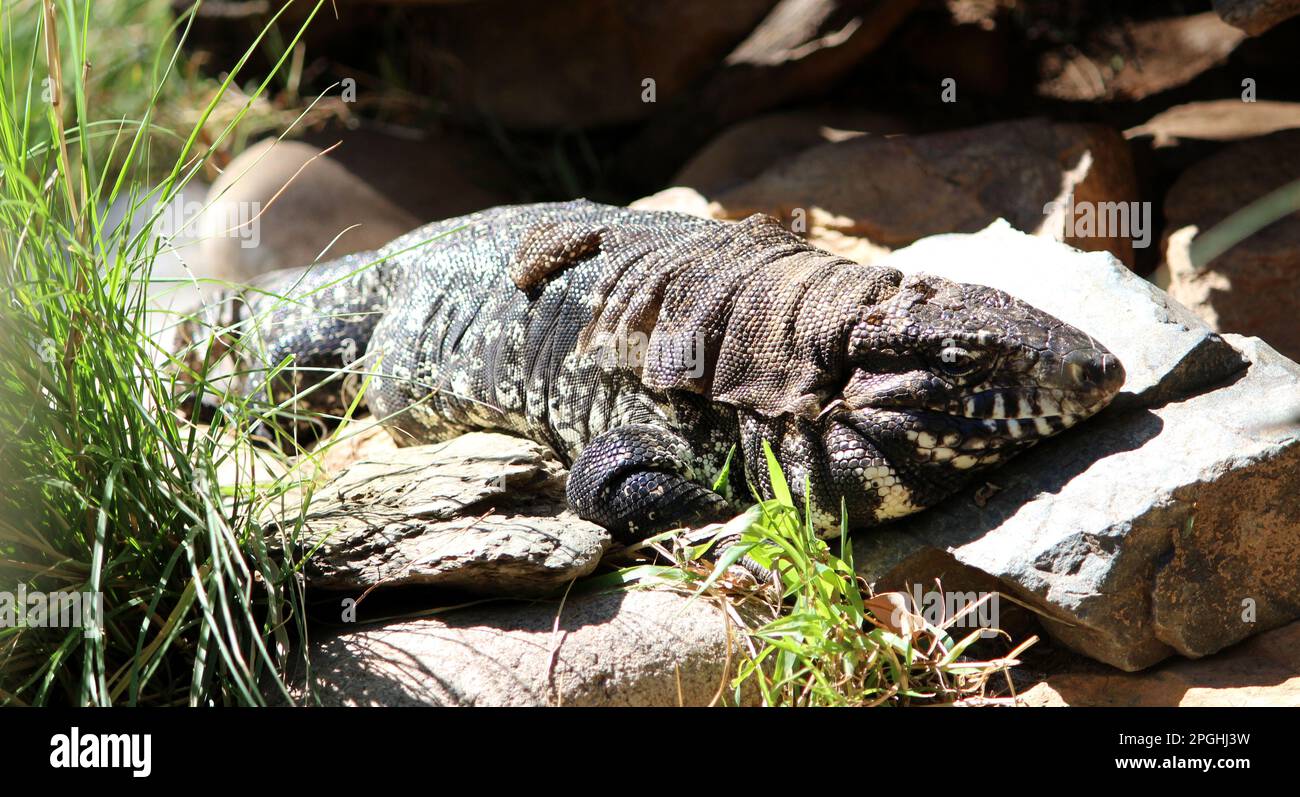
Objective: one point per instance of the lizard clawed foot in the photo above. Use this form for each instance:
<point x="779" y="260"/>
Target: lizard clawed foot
<point x="637" y="480"/>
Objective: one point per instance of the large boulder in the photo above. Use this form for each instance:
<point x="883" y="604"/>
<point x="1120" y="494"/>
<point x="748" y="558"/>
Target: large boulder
<point x="638" y="648"/>
<point x="969" y="178"/>
<point x="744" y="150"/>
<point x="1166" y="524"/>
<point x="430" y="174"/>
<point x="280" y="204"/>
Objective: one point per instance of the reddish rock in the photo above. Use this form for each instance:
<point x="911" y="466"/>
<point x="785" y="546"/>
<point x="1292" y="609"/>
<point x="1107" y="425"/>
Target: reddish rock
<point x="744" y="150"/>
<point x="280" y="204"/>
<point x="347" y="191"/>
<point x="430" y="175"/>
<point x="868" y="187"/>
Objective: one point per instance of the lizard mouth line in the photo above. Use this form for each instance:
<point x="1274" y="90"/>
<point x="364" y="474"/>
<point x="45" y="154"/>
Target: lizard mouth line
<point x="1022" y="404"/>
<point x="988" y="408"/>
<point x="961" y="433"/>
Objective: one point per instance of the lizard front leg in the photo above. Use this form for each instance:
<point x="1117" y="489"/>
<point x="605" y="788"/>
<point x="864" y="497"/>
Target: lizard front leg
<point x="638" y="479"/>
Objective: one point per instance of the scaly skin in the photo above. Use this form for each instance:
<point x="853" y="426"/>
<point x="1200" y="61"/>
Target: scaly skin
<point x="643" y="346"/>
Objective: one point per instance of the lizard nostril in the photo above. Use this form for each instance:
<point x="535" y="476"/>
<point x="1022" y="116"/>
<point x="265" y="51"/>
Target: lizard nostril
<point x="1094" y="370"/>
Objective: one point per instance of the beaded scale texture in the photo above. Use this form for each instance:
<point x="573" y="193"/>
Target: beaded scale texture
<point x="642" y="347"/>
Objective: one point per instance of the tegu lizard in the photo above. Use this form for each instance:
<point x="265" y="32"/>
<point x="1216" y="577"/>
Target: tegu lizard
<point x="643" y="347"/>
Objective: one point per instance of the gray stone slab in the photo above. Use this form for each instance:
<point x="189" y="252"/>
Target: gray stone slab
<point x="1141" y="533"/>
<point x="482" y="513"/>
<point x="639" y="648"/>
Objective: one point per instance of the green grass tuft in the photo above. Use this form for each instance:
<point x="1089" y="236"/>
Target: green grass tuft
<point x="105" y="489"/>
<point x="817" y="635"/>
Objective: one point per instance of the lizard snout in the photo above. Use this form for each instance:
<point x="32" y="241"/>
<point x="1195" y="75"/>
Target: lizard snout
<point x="1092" y="372"/>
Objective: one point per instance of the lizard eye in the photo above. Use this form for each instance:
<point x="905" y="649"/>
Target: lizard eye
<point x="958" y="361"/>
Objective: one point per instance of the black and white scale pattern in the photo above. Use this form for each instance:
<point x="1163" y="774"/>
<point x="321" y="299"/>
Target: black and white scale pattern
<point x="643" y="346"/>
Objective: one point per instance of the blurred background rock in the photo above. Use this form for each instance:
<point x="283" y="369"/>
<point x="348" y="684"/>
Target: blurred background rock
<point x="829" y="114"/>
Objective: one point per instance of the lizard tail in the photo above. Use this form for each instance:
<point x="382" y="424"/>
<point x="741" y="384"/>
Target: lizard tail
<point x="292" y="344"/>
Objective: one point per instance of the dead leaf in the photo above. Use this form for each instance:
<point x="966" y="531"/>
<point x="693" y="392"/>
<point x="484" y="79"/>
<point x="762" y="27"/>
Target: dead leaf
<point x="892" y="610"/>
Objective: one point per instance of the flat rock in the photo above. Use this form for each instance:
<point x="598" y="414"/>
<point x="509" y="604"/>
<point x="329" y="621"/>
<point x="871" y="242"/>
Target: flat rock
<point x="1263" y="671"/>
<point x="638" y="648"/>
<point x="482" y="513"/>
<point x="1254" y="287"/>
<point x="1166" y="350"/>
<point x="1143" y="532"/>
<point x="969" y="178"/>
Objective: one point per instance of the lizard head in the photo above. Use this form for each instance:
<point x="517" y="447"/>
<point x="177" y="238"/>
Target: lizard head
<point x="945" y="380"/>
